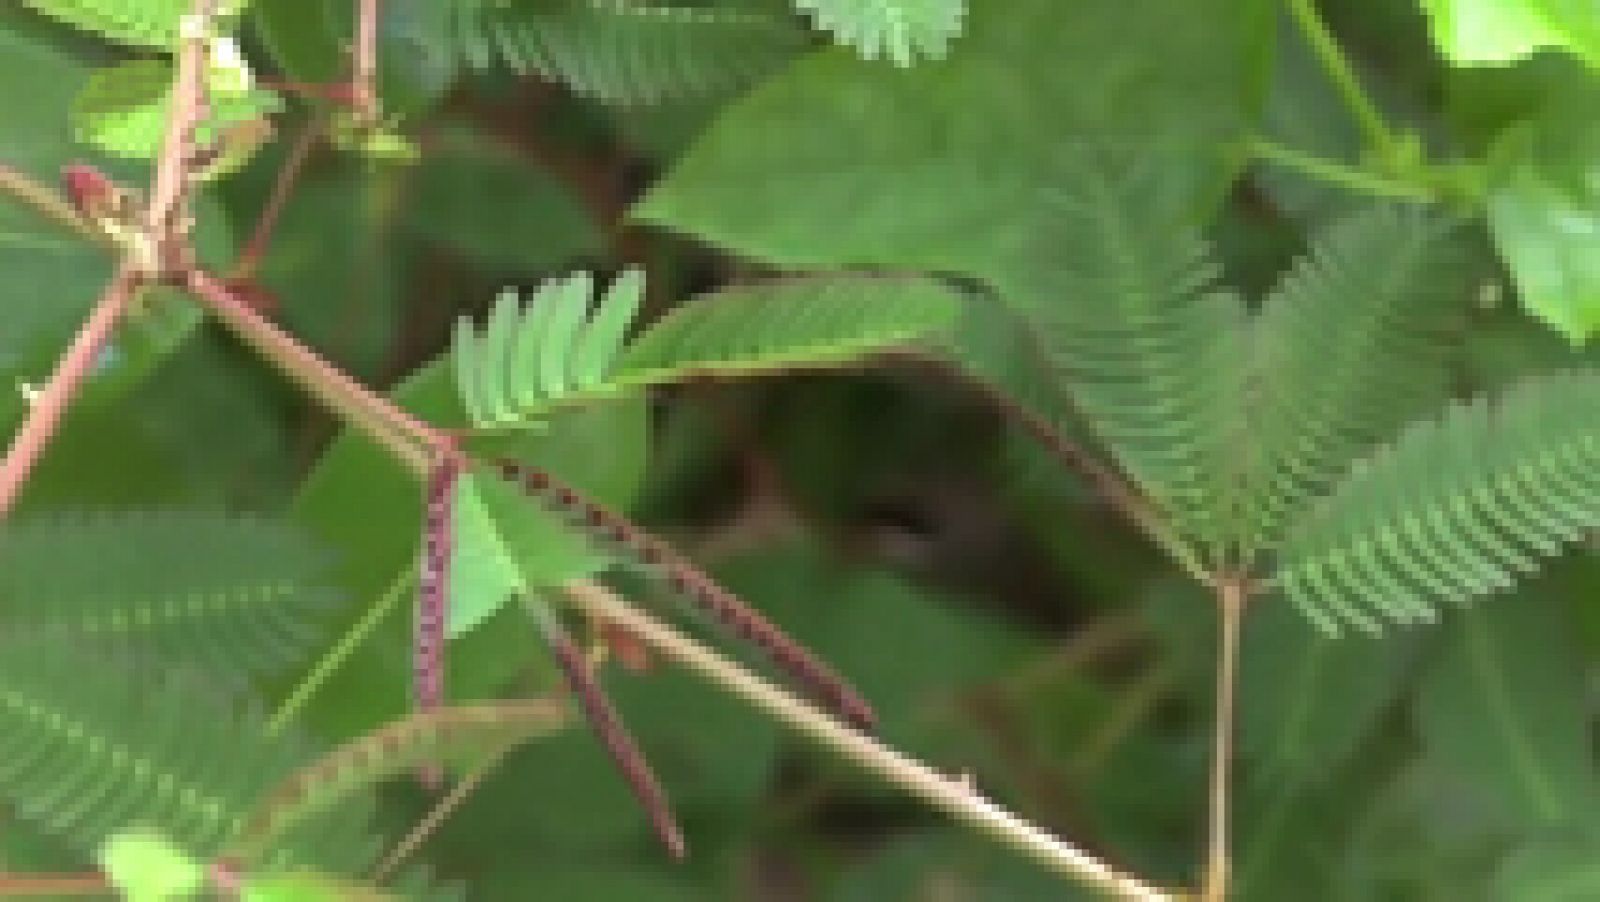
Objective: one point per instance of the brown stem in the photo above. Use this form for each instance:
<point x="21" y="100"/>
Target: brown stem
<point x="1103" y="480"/>
<point x="282" y="189"/>
<point x="415" y="443"/>
<point x="366" y="61"/>
<point x="954" y="796"/>
<point x="436" y="815"/>
<point x="1232" y="593"/>
<point x="53" y="885"/>
<point x="171" y="181"/>
<point x="46" y="409"/>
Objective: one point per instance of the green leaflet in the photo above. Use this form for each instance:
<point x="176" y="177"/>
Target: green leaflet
<point x="521" y="366"/>
<point x="1502" y="709"/>
<point x="901" y="30"/>
<point x="524" y="361"/>
<point x="90" y="746"/>
<point x="225" y="591"/>
<point x="1454" y="509"/>
<point x="1122" y="302"/>
<point x="142" y="23"/>
<point x="1349" y="348"/>
<point x="505" y="545"/>
<point x="624" y="51"/>
<point x="788" y="324"/>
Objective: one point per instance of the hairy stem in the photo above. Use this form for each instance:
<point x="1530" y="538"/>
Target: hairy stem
<point x="1342" y="74"/>
<point x="415" y="443"/>
<point x="1231" y="596"/>
<point x="950" y="794"/>
<point x="47" y="408"/>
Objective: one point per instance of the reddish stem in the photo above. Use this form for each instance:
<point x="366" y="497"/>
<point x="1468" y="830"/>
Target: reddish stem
<point x="47" y="408"/>
<point x="282" y="189"/>
<point x="366" y="62"/>
<point x="417" y="444"/>
<point x="53" y="885"/>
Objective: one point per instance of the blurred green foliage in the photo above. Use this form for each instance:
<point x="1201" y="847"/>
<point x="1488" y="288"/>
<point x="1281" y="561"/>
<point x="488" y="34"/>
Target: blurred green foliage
<point x="1005" y="621"/>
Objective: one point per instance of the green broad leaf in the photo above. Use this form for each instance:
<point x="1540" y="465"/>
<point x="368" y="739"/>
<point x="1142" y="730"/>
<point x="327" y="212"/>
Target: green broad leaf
<point x="1559" y="869"/>
<point x="148" y="867"/>
<point x="1542" y="197"/>
<point x="62" y="272"/>
<point x="123" y="109"/>
<point x="1550" y="239"/>
<point x="1502" y="706"/>
<point x="499" y="210"/>
<point x="1496" y="32"/>
<point x="1308" y="700"/>
<point x="901" y="30"/>
<point x="141" y="23"/>
<point x="879" y="167"/>
<point x="303" y="38"/>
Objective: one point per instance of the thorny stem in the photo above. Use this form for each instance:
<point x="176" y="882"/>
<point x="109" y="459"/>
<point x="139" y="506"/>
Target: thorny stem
<point x="1343" y="75"/>
<point x="282" y="188"/>
<point x="46" y="409"/>
<point x="1232" y="593"/>
<point x="952" y="795"/>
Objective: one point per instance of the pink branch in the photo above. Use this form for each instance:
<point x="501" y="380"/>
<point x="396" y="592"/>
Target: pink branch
<point x="366" y="62"/>
<point x="171" y="181"/>
<point x="46" y="410"/>
<point x="416" y="443"/>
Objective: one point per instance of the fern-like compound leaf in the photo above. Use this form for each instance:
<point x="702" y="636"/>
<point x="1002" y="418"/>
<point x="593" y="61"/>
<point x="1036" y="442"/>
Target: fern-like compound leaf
<point x="141" y="23"/>
<point x="625" y="51"/>
<point x="901" y="30"/>
<point x="230" y="593"/>
<point x="1455" y="509"/>
<point x="790" y="324"/>
<point x="1347" y="351"/>
<point x="1121" y="297"/>
<point x="91" y="745"/>
<point x="529" y="357"/>
<point x="521" y="365"/>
